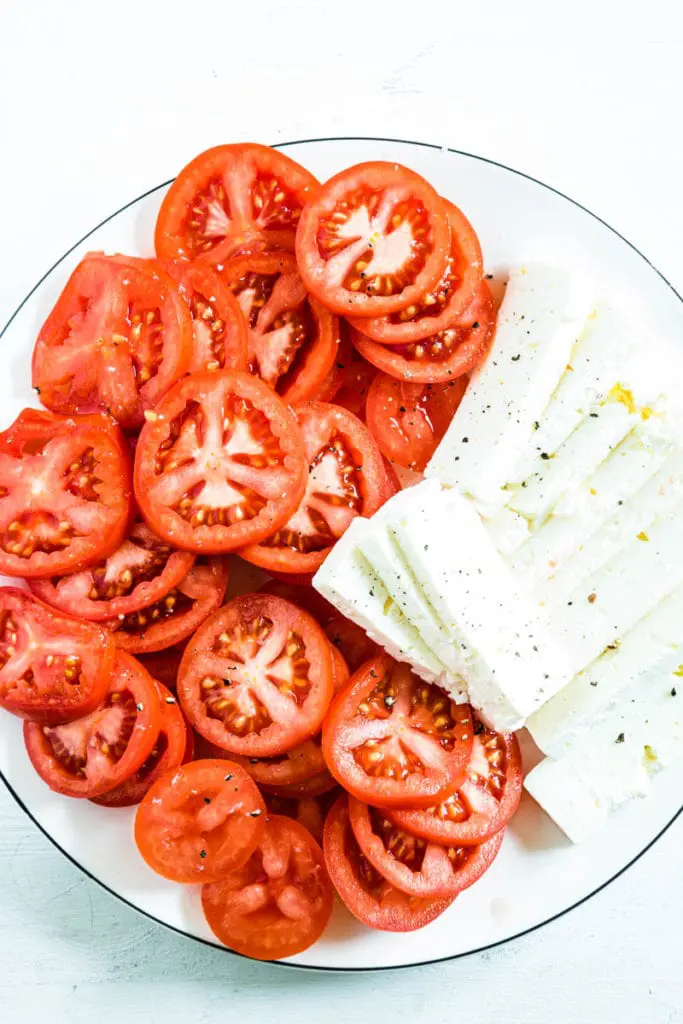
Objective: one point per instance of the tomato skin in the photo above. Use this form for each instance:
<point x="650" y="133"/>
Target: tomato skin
<point x="163" y="665"/>
<point x="395" y="184"/>
<point x="447" y="301"/>
<point x="303" y="596"/>
<point x="286" y="873"/>
<point x="351" y="641"/>
<point x="426" y="870"/>
<point x="33" y="638"/>
<point x="469" y="342"/>
<point x="317" y="785"/>
<point x="408" y="420"/>
<point x="197" y="595"/>
<point x="369" y="897"/>
<point x="95" y="736"/>
<point x="332" y="437"/>
<point x="42" y="446"/>
<point x="237" y="169"/>
<point x="358" y="377"/>
<point x="200" y="821"/>
<point x="209" y="395"/>
<point x="272" y="639"/>
<point x="390" y="710"/>
<point x="309" y="811"/>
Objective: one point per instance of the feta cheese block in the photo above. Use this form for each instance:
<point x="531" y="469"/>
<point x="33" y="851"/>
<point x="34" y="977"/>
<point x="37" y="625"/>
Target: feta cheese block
<point x="542" y="315"/>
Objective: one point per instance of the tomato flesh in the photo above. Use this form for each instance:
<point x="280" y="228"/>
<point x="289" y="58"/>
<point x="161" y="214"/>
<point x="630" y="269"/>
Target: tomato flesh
<point x="351" y="641"/>
<point x="391" y="739"/>
<point x="65" y="493"/>
<point x="279" y="902"/>
<point x="221" y="464"/>
<point x="309" y="811"/>
<point x="163" y="665"/>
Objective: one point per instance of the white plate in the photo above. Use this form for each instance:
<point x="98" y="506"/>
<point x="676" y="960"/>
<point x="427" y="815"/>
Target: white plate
<point x="538" y="874"/>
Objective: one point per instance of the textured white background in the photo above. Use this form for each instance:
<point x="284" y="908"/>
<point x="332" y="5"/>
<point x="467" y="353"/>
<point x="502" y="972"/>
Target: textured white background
<point x="100" y="102"/>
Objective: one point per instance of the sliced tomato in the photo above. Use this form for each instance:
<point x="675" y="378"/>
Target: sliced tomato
<point x="483" y="804"/>
<point x="443" y="304"/>
<point x="366" y="893"/>
<point x="93" y="754"/>
<point x="373" y="240"/>
<point x="141" y="571"/>
<point x="392" y="740"/>
<point x="336" y="375"/>
<point x="219" y="329"/>
<point x="302" y="595"/>
<point x="232" y="199"/>
<point x="413" y="865"/>
<point x="65" y="493"/>
<point x="408" y="420"/>
<point x="163" y="665"/>
<point x="172" y="747"/>
<point x="393" y="482"/>
<point x="346" y="478"/>
<point x="317" y="785"/>
<point x="309" y="811"/>
<point x="52" y="668"/>
<point x="256" y="678"/>
<point x="351" y="641"/>
<point x="441" y="357"/>
<point x="279" y="902"/>
<point x="358" y="377"/>
<point x="200" y="822"/>
<point x="221" y="464"/>
<point x="292" y="339"/>
<point x="173" y="618"/>
<point x="118" y="337"/>
<point x="340" y="670"/>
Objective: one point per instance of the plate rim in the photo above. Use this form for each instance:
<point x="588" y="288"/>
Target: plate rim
<point x="209" y="942"/>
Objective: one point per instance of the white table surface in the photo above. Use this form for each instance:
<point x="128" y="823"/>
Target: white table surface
<point x="99" y="103"/>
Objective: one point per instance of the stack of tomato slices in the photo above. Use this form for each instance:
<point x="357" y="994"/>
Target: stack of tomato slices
<point x="245" y="394"/>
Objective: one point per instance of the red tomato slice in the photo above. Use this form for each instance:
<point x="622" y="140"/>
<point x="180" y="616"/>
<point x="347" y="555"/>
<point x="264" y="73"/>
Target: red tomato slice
<point x="171" y="748"/>
<point x="393" y="482"/>
<point x="173" y="618"/>
<point x="340" y="670"/>
<point x="483" y="804"/>
<point x="442" y="357"/>
<point x="93" y="754"/>
<point x="369" y="897"/>
<point x="393" y="740"/>
<point x="220" y="465"/>
<point x="373" y="240"/>
<point x="346" y="478"/>
<point x="219" y="329"/>
<point x="118" y="337"/>
<point x="279" y="902"/>
<point x="231" y="199"/>
<point x="65" y="493"/>
<point x="334" y="379"/>
<point x="440" y="307"/>
<point x="200" y="822"/>
<point x="317" y="785"/>
<point x="309" y="811"/>
<point x="141" y="571"/>
<point x="52" y="668"/>
<point x="163" y="665"/>
<point x="351" y="641"/>
<point x="256" y="678"/>
<point x="414" y="866"/>
<point x="409" y="420"/>
<point x="304" y="596"/>
<point x="358" y="377"/>
<point x="292" y="339"/>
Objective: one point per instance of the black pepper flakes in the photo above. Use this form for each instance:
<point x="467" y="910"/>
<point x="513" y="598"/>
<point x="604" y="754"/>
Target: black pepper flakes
<point x="674" y="691"/>
<point x="140" y="706"/>
<point x="255" y="814"/>
<point x="594" y="682"/>
<point x="465" y="440"/>
<point x="515" y="359"/>
<point x="228" y="778"/>
<point x="620" y="738"/>
<point x="537" y="425"/>
<point x="207" y="799"/>
<point x="545" y="456"/>
<point x="202" y="854"/>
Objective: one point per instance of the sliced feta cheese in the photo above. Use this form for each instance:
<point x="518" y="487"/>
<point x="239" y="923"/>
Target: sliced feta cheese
<point x="349" y="582"/>
<point x="540" y="318"/>
<point x="508" y="530"/>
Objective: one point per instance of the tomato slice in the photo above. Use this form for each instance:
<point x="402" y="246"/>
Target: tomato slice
<point x="65" y="493"/>
<point x="441" y="357"/>
<point x="200" y="822"/>
<point x="351" y="641"/>
<point x="302" y="595"/>
<point x="448" y="300"/>
<point x="346" y="478"/>
<point x="279" y="902"/>
<point x="163" y="665"/>
<point x="366" y="893"/>
<point x="413" y="865"/>
<point x="393" y="740"/>
<point x="393" y="482"/>
<point x="483" y="804"/>
<point x="118" y="337"/>
<point x="309" y="811"/>
<point x="256" y="678"/>
<point x="219" y="329"/>
<point x="373" y="240"/>
<point x="317" y="785"/>
<point x="172" y="746"/>
<point x="335" y="376"/>
<point x="231" y="199"/>
<point x="220" y="465"/>
<point x="93" y="754"/>
<point x="174" y="617"/>
<point x="52" y="668"/>
<point x="408" y="420"/>
<point x="358" y="377"/>
<point x="141" y="571"/>
<point x="292" y="339"/>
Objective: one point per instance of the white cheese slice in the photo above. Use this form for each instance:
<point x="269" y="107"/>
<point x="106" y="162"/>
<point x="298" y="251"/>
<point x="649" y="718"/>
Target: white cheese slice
<point x="540" y="318"/>
<point x="508" y="530"/>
